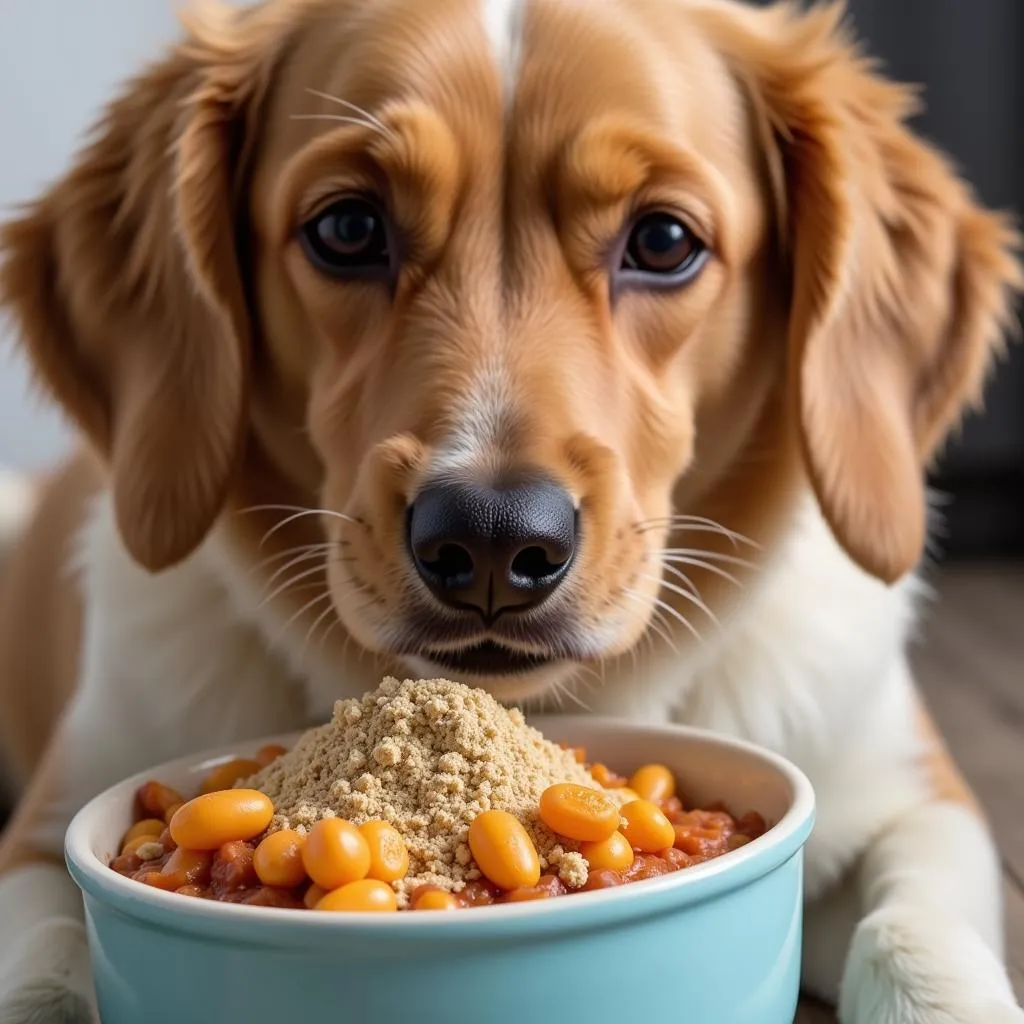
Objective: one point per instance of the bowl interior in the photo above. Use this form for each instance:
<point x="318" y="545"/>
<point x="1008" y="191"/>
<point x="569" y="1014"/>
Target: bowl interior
<point x="709" y="770"/>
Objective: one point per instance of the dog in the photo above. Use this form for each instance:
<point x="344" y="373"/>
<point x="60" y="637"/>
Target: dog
<point x="584" y="350"/>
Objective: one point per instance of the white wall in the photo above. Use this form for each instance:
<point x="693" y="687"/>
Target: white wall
<point x="59" y="61"/>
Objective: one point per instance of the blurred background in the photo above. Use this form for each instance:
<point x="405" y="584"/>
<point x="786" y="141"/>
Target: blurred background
<point x="59" y="59"/>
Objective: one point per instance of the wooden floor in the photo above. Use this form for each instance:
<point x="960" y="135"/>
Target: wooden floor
<point x="970" y="666"/>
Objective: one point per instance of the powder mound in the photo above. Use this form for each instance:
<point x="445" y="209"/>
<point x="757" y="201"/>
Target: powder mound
<point x="428" y="756"/>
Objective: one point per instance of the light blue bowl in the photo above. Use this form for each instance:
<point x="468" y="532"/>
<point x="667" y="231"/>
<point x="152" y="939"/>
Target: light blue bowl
<point x="716" y="942"/>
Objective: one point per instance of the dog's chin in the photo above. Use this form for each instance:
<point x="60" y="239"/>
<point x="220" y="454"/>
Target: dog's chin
<point x="510" y="676"/>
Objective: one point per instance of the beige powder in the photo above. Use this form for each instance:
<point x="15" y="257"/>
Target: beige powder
<point x="427" y="756"/>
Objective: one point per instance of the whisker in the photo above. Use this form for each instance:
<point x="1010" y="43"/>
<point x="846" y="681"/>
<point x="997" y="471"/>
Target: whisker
<point x="291" y="582"/>
<point x="696" y="524"/>
<point x="654" y="624"/>
<point x="699" y="564"/>
<point x="686" y="594"/>
<point x="297" y="560"/>
<point x="717" y="556"/>
<point x="306" y="607"/>
<point x="299" y="515"/>
<point x="270" y="559"/>
<point x="665" y="606"/>
<point x="316" y="622"/>
<point x="376" y="121"/>
<point x="574" y="697"/>
<point x="682" y="575"/>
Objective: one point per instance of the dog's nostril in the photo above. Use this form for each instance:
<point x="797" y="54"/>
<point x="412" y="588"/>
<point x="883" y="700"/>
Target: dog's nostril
<point x="533" y="564"/>
<point x="453" y="562"/>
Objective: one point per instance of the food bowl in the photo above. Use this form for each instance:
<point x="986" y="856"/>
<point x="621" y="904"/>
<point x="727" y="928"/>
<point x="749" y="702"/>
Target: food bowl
<point x="717" y="941"/>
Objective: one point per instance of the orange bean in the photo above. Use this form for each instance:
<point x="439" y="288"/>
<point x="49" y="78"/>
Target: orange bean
<point x="132" y="845"/>
<point x="503" y="850"/>
<point x="314" y="894"/>
<point x="213" y="819"/>
<point x="336" y="853"/>
<point x="653" y="782"/>
<point x="436" y="899"/>
<point x="155" y="798"/>
<point x="225" y="775"/>
<point x="578" y="813"/>
<point x="270" y="753"/>
<point x="605" y="776"/>
<point x="612" y="854"/>
<point x="146" y="827"/>
<point x="389" y="856"/>
<point x="278" y="859"/>
<point x="646" y="827"/>
<point x="366" y="894"/>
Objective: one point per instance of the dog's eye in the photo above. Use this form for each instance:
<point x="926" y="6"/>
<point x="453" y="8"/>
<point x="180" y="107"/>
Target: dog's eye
<point x="348" y="239"/>
<point x="660" y="244"/>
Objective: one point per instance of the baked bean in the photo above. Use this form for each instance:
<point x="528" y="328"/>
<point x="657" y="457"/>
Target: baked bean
<point x="646" y="827"/>
<point x="736" y="840"/>
<point x="546" y="887"/>
<point x="213" y="819"/>
<point x="647" y="865"/>
<point x="503" y="850"/>
<point x="366" y="894"/>
<point x="578" y="813"/>
<point x="271" y="896"/>
<point x="146" y="827"/>
<point x="155" y="798"/>
<point x="196" y="891"/>
<point x="172" y="811"/>
<point x="479" y="893"/>
<point x="233" y="868"/>
<point x="614" y="852"/>
<point x="751" y="824"/>
<point x="676" y="859"/>
<point x="705" y="842"/>
<point x="225" y="775"/>
<point x="335" y="854"/>
<point x="183" y="867"/>
<point x="389" y="856"/>
<point x="278" y="859"/>
<point x="126" y="864"/>
<point x="435" y="899"/>
<point x="143" y="839"/>
<point x="269" y="754"/>
<point x="314" y="894"/>
<point x="603" y="879"/>
<point x="672" y="806"/>
<point x="653" y="782"/>
<point x="606" y="777"/>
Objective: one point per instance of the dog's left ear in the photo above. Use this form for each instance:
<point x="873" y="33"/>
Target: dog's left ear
<point x="901" y="283"/>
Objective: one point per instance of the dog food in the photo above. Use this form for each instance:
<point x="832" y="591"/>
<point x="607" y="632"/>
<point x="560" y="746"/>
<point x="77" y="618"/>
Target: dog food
<point x="423" y="795"/>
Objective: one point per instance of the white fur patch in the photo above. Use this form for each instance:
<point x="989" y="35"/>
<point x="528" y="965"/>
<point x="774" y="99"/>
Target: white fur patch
<point x="503" y="22"/>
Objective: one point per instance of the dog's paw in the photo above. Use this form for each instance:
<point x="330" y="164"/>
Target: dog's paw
<point x="46" y="978"/>
<point x="44" y="1002"/>
<point x="908" y="966"/>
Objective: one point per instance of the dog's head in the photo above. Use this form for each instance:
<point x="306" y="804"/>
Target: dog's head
<point x="514" y="291"/>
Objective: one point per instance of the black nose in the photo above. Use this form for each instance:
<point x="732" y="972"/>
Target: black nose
<point x="492" y="549"/>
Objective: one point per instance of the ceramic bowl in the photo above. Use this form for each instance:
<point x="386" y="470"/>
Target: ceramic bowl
<point x="716" y="942"/>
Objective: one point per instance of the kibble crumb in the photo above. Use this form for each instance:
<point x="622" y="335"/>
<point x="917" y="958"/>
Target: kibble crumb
<point x="440" y="753"/>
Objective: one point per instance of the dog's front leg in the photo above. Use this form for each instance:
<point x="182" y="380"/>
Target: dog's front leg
<point x="913" y="935"/>
<point x="167" y="669"/>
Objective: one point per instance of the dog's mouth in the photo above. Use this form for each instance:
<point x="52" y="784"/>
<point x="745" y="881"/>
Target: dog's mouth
<point x="488" y="658"/>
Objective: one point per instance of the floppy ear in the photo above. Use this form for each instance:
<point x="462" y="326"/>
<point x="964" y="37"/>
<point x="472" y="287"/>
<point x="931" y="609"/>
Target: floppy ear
<point x="901" y="283"/>
<point x="125" y="282"/>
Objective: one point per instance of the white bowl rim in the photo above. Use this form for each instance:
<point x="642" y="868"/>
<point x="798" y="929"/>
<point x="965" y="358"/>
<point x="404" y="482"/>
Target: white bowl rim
<point x="744" y="865"/>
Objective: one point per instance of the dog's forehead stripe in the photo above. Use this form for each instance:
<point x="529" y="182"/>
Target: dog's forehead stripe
<point x="503" y="22"/>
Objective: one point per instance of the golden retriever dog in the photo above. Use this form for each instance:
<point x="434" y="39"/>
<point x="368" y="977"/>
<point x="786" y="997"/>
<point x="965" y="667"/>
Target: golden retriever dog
<point x="585" y="349"/>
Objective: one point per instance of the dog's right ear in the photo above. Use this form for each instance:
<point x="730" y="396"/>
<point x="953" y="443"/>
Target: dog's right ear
<point x="125" y="283"/>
